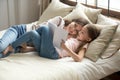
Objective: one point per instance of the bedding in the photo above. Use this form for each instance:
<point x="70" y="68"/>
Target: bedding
<point x="29" y="66"/>
<point x="55" y="8"/>
<point x="103" y="20"/>
<point x="114" y="45"/>
<point x="91" y="13"/>
<point x="99" y="45"/>
<point x="77" y="13"/>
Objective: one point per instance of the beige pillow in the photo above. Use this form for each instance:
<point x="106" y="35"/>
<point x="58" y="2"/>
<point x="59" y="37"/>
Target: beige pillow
<point x="104" y="20"/>
<point x="91" y="13"/>
<point x="77" y="13"/>
<point x="98" y="46"/>
<point x="55" y="8"/>
<point x="113" y="46"/>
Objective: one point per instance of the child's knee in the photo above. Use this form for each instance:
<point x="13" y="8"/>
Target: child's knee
<point x="34" y="33"/>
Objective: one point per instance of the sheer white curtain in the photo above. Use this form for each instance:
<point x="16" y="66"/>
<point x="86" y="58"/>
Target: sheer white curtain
<point x="43" y="5"/>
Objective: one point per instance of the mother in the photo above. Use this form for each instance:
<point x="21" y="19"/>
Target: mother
<point x="17" y="31"/>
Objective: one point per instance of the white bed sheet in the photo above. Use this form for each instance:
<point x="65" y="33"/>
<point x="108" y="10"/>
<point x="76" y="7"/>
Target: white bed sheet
<point x="30" y="66"/>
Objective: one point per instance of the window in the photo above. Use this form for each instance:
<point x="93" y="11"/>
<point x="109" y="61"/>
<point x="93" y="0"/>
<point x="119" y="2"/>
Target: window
<point x="113" y="4"/>
<point x="91" y="2"/>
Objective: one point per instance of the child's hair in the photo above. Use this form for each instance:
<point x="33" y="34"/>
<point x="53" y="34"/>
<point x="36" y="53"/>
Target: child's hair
<point x="93" y="31"/>
<point x="80" y="21"/>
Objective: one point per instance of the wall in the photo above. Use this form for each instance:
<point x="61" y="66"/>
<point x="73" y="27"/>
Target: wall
<point x="3" y="14"/>
<point x="18" y="12"/>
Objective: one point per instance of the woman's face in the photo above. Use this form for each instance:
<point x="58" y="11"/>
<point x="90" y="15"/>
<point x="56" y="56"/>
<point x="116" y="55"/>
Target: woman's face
<point x="83" y="35"/>
<point x="73" y="28"/>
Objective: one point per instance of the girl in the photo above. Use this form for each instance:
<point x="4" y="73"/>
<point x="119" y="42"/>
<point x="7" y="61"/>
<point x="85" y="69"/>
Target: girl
<point x="86" y="35"/>
<point x="46" y="49"/>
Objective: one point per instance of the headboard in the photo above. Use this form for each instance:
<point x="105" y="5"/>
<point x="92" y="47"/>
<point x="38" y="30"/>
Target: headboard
<point x="72" y="3"/>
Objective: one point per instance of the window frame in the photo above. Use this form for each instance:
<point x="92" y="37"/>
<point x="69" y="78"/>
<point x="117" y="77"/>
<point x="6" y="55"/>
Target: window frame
<point x="107" y="12"/>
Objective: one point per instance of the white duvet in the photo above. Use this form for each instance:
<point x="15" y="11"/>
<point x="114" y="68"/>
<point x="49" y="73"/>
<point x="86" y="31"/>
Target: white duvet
<point x="29" y="66"/>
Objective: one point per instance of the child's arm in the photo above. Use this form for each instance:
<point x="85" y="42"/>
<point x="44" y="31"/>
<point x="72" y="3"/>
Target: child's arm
<point x="76" y="57"/>
<point x="81" y="53"/>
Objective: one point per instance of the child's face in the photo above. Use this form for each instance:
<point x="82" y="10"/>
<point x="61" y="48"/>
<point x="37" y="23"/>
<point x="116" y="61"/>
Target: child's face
<point x="83" y="35"/>
<point x="73" y="28"/>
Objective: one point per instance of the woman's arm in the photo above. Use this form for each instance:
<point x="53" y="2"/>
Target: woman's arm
<point x="77" y="57"/>
<point x="58" y="20"/>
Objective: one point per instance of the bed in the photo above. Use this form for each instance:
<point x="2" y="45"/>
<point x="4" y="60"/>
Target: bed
<point x="29" y="66"/>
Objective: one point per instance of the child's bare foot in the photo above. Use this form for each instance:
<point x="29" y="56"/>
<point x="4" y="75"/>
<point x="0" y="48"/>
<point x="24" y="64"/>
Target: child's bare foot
<point x="24" y="45"/>
<point x="8" y="49"/>
<point x="27" y="49"/>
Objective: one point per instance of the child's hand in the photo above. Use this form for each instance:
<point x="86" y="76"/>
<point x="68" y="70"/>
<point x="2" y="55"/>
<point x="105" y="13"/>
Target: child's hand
<point x="63" y="44"/>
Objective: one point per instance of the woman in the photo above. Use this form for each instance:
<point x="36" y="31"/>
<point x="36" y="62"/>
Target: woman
<point x="46" y="48"/>
<point x="17" y="31"/>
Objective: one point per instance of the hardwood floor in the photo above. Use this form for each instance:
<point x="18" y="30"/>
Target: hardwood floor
<point x="115" y="76"/>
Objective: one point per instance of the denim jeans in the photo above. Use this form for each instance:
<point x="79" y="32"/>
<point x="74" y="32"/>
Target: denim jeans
<point x="42" y="39"/>
<point x="31" y="36"/>
<point x="47" y="48"/>
<point x="10" y="36"/>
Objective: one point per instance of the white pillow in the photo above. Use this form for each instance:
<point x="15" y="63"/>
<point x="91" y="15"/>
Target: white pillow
<point x="55" y="8"/>
<point x="113" y="46"/>
<point x="77" y="13"/>
<point x="2" y="33"/>
<point x="103" y="20"/>
<point x="98" y="46"/>
<point x="91" y="13"/>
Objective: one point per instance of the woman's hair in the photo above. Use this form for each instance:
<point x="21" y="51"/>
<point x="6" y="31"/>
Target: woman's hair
<point x="93" y="31"/>
<point x="80" y="21"/>
<point x="67" y="22"/>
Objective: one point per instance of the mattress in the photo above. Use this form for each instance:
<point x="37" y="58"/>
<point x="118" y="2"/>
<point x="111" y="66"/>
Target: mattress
<point x="29" y="66"/>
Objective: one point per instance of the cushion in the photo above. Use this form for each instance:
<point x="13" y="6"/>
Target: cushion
<point x="114" y="45"/>
<point x="99" y="45"/>
<point x="77" y="13"/>
<point x="55" y="8"/>
<point x="91" y="13"/>
<point x="2" y="33"/>
<point x="104" y="20"/>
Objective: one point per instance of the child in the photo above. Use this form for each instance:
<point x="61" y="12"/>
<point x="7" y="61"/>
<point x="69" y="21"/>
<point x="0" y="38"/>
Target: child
<point x="86" y="35"/>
